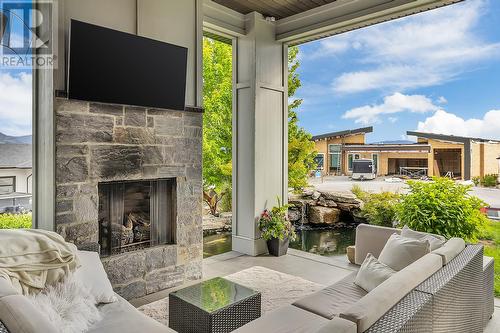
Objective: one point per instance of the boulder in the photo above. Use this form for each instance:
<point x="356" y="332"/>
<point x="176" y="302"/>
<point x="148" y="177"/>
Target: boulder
<point x="349" y="206"/>
<point x="340" y="196"/>
<point x="294" y="214"/>
<point x="315" y="195"/>
<point x="323" y="215"/>
<point x="326" y="203"/>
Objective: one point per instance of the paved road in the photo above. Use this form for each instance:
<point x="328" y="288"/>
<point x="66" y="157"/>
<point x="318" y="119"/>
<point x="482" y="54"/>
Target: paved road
<point x="490" y="196"/>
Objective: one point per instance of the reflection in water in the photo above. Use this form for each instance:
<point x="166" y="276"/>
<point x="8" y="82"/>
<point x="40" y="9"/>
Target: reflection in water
<point x="216" y="244"/>
<point x="325" y="242"/>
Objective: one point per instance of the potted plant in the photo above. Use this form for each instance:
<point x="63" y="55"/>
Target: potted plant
<point x="276" y="229"/>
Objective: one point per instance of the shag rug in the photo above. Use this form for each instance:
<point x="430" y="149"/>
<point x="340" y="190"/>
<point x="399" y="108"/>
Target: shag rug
<point x="277" y="289"/>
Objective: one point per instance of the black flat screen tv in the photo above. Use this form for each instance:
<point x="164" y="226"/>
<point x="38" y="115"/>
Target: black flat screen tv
<point x="110" y="66"/>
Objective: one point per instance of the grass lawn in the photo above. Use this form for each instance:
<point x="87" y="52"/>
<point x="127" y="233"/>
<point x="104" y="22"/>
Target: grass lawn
<point x="492" y="249"/>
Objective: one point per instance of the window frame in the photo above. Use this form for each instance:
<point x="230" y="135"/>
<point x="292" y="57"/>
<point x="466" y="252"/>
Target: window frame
<point x="338" y="153"/>
<point x="350" y="158"/>
<point x="376" y="164"/>
<point x="13" y="183"/>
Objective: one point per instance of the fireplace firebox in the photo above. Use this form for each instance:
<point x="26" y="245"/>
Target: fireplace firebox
<point x="136" y="214"/>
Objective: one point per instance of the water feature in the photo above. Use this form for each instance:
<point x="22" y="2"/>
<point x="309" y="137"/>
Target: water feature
<point x="322" y="241"/>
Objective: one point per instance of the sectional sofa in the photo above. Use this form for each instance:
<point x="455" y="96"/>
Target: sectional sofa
<point x="447" y="290"/>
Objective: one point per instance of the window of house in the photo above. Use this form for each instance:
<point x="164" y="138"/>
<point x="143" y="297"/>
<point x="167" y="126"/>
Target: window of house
<point x="375" y="162"/>
<point x="7" y="185"/>
<point x="350" y="158"/>
<point x="320" y="161"/>
<point x="335" y="152"/>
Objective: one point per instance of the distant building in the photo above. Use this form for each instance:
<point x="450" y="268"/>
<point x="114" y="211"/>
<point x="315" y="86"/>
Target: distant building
<point x="16" y="175"/>
<point x="432" y="154"/>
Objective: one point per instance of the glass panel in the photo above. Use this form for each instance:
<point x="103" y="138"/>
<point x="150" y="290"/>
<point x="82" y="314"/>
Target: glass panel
<point x="334" y="148"/>
<point x="349" y="162"/>
<point x="375" y="162"/>
<point x="334" y="160"/>
<point x="214" y="294"/>
<point x="7" y="181"/>
<point x="320" y="161"/>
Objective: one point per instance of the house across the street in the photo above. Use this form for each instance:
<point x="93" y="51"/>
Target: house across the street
<point x="15" y="177"/>
<point x="432" y="154"/>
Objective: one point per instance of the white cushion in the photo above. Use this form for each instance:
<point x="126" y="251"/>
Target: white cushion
<point x="92" y="275"/>
<point x="400" y="251"/>
<point x="450" y="249"/>
<point x="372" y="273"/>
<point x="18" y="314"/>
<point x="436" y="241"/>
<point x="338" y="325"/>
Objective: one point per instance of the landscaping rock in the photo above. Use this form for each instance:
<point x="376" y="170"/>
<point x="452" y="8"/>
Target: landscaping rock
<point x="294" y="214"/>
<point x="323" y="215"/>
<point x="338" y="196"/>
<point x="315" y="195"/>
<point x="326" y="203"/>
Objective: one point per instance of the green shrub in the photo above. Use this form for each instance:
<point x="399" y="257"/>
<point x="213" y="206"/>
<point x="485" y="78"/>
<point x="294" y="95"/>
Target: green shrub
<point x="476" y="180"/>
<point x="442" y="207"/>
<point x="15" y="221"/>
<point x="380" y="208"/>
<point x="359" y="192"/>
<point x="489" y="180"/>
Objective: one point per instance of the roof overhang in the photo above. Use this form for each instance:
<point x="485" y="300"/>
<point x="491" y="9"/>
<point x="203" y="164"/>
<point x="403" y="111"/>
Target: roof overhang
<point x="363" y="130"/>
<point x="323" y="21"/>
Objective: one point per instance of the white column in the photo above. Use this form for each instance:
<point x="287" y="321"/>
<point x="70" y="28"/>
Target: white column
<point x="260" y="127"/>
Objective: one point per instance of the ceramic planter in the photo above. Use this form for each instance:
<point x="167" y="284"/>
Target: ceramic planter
<point x="277" y="247"/>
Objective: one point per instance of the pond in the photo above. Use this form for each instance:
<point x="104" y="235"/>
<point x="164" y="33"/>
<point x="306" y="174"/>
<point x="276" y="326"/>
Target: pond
<point x="325" y="241"/>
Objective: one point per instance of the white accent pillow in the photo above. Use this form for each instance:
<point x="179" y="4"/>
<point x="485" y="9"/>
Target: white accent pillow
<point x="92" y="275"/>
<point x="372" y="273"/>
<point x="401" y="251"/>
<point x="436" y="241"/>
<point x="68" y="305"/>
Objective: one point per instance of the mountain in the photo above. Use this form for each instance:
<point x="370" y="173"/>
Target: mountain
<point x="26" y="139"/>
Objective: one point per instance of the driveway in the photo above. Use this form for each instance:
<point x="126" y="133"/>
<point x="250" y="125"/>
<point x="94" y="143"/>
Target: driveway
<point x="341" y="183"/>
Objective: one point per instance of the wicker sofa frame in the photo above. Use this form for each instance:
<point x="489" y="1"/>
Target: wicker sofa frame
<point x="458" y="298"/>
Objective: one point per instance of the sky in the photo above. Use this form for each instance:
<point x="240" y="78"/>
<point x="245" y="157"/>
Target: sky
<point x="437" y="71"/>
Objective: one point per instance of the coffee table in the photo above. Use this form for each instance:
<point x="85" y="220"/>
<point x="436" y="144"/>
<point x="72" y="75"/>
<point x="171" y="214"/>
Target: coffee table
<point x="213" y="306"/>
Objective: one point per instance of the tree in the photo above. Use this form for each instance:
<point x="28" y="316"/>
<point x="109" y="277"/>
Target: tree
<point x="217" y="122"/>
<point x="301" y="151"/>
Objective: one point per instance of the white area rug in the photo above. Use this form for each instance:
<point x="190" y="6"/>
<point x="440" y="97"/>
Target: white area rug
<point x="277" y="289"/>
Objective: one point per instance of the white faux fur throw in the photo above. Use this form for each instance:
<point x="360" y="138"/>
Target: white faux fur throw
<point x="68" y="305"/>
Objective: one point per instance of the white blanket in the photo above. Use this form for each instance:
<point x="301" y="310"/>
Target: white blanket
<point x="33" y="259"/>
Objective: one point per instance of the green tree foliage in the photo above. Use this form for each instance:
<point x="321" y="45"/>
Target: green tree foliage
<point x="301" y="151"/>
<point x="15" y="221"/>
<point x="442" y="207"/>
<point x="217" y="121"/>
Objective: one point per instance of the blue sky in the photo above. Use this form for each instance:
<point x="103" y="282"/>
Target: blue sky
<point x="15" y="84"/>
<point x="437" y="71"/>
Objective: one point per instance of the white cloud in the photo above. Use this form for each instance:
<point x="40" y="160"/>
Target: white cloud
<point x="392" y="119"/>
<point x="443" y="122"/>
<point x="15" y="104"/>
<point x="421" y="50"/>
<point x="442" y="100"/>
<point x="396" y="103"/>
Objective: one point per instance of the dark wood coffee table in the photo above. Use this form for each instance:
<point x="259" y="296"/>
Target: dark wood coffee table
<point x="216" y="305"/>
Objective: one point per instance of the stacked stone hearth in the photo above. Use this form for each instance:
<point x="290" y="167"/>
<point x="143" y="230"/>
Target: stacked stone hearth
<point x="333" y="208"/>
<point x="106" y="142"/>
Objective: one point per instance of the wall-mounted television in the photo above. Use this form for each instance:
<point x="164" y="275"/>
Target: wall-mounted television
<point x="110" y="66"/>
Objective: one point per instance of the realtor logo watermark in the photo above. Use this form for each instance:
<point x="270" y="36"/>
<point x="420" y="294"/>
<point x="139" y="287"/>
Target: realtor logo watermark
<point x="26" y="34"/>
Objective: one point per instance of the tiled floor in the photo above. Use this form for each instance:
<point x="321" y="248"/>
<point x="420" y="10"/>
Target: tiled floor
<point x="322" y="270"/>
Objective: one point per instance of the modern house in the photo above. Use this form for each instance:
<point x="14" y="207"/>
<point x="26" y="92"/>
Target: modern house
<point x="431" y="155"/>
<point x="16" y="176"/>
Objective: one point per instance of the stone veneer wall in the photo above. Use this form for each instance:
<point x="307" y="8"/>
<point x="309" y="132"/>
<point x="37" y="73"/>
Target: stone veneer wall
<point x="106" y="142"/>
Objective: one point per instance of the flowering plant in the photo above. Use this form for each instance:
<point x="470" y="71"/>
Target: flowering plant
<point x="274" y="223"/>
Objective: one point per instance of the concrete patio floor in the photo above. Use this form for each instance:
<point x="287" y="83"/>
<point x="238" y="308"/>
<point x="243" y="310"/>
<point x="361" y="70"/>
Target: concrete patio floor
<point x="312" y="267"/>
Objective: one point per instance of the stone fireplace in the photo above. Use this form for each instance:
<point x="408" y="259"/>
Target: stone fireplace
<point x="130" y="179"/>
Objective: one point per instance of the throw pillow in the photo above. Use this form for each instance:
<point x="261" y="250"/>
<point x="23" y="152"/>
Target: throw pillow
<point x="92" y="275"/>
<point x="67" y="305"/>
<point x="401" y="251"/>
<point x="372" y="273"/>
<point x="436" y="241"/>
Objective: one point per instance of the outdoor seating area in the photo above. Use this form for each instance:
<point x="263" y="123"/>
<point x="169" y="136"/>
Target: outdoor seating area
<point x="102" y="217"/>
